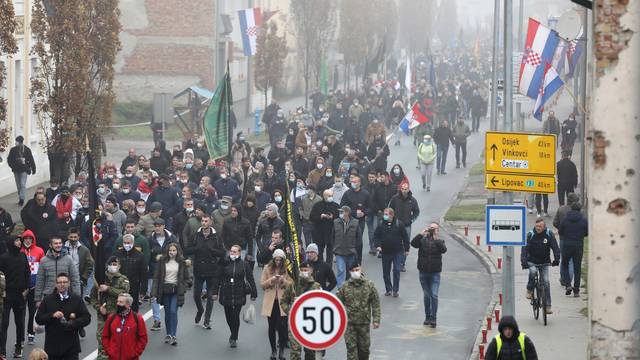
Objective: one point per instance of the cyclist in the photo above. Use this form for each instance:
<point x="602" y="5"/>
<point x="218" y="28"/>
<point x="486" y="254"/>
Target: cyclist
<point x="510" y="343"/>
<point x="536" y="252"/>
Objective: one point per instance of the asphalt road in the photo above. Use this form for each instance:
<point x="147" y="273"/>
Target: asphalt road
<point x="464" y="293"/>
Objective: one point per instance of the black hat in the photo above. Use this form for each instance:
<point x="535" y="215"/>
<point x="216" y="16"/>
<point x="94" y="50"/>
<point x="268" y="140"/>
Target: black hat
<point x="64" y="188"/>
<point x="20" y="139"/>
<point x="112" y="199"/>
<point x="305" y="264"/>
<point x="112" y="259"/>
<point x="353" y="265"/>
<point x="158" y="221"/>
<point x="155" y="206"/>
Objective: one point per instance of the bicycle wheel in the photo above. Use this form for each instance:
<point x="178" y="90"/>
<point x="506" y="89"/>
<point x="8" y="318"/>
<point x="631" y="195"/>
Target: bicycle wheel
<point x="543" y="303"/>
<point x="535" y="302"/>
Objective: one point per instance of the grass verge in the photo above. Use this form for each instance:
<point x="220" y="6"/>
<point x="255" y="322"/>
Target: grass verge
<point x="472" y="212"/>
<point x="477" y="169"/>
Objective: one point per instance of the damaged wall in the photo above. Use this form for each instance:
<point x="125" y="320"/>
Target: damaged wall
<point x="614" y="258"/>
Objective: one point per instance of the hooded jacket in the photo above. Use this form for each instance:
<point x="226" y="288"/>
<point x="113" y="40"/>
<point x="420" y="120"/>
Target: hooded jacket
<point x="15" y="268"/>
<point x="52" y="265"/>
<point x="511" y="349"/>
<point x="34" y="254"/>
<point x="237" y="231"/>
<point x="538" y="246"/>
<point x="234" y="281"/>
<point x="573" y="229"/>
<point x="206" y="251"/>
<point x="406" y="208"/>
<point x="41" y="220"/>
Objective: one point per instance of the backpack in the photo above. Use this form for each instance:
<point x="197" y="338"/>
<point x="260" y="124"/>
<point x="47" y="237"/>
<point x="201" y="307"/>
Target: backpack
<point x="547" y="231"/>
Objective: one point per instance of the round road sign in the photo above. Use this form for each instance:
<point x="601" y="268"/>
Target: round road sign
<point x="317" y="319"/>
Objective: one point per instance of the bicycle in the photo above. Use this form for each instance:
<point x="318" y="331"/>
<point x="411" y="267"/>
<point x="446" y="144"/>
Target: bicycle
<point x="538" y="300"/>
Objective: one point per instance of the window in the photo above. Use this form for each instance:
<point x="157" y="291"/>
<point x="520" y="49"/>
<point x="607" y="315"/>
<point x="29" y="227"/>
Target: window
<point x="18" y="7"/>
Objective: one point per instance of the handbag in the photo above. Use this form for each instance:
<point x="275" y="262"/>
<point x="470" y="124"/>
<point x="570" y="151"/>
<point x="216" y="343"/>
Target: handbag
<point x="169" y="289"/>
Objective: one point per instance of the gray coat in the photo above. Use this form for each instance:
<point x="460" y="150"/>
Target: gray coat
<point x="345" y="236"/>
<point x="50" y="267"/>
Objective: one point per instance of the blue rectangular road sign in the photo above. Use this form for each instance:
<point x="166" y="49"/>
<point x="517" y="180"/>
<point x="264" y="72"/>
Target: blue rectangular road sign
<point x="506" y="225"/>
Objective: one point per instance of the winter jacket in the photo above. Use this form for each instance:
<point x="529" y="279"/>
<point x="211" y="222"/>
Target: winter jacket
<point x="442" y="136"/>
<point x="184" y="279"/>
<point x="145" y="225"/>
<point x="511" y="349"/>
<point x="85" y="261"/>
<point x="306" y="205"/>
<point x="573" y="229"/>
<point x="406" y="208"/>
<point x="157" y="249"/>
<point x="391" y="237"/>
<point x="427" y="153"/>
<point x="234" y="282"/>
<point x="461" y="133"/>
<point x="323" y="275"/>
<point x="430" y="252"/>
<point x="322" y="227"/>
<point x="207" y="251"/>
<point x="119" y="218"/>
<point x="356" y="200"/>
<point x="34" y="254"/>
<point x="15" y="267"/>
<point x="265" y="227"/>
<point x="567" y="173"/>
<point x="6" y="227"/>
<point x="140" y="242"/>
<point x="168" y="198"/>
<point x="52" y="265"/>
<point x="61" y="338"/>
<point x="345" y="235"/>
<point x="551" y="126"/>
<point x="20" y="160"/>
<point x="41" y="220"/>
<point x="273" y="290"/>
<point x="537" y="248"/>
<point x="128" y="344"/>
<point x="237" y="232"/>
<point x="382" y="196"/>
<point x="187" y="239"/>
<point x="134" y="266"/>
<point x="228" y="187"/>
<point x="218" y="217"/>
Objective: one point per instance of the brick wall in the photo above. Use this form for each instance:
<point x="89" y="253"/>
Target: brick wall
<point x="178" y="18"/>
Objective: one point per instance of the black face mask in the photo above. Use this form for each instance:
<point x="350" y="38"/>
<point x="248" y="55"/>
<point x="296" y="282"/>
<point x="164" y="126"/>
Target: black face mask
<point x="120" y="309"/>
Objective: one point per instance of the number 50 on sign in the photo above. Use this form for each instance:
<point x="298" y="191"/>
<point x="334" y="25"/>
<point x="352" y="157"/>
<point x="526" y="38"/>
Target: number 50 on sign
<point x="317" y="319"/>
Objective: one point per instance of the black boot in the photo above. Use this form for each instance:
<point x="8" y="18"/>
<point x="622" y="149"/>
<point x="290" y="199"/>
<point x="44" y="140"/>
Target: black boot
<point x="274" y="355"/>
<point x="281" y="354"/>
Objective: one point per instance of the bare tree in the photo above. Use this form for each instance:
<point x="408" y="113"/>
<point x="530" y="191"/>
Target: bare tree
<point x="417" y="24"/>
<point x="269" y="60"/>
<point x="7" y="46"/>
<point x="447" y="22"/>
<point x="76" y="44"/>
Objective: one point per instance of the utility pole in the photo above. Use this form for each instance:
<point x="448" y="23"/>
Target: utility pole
<point x="508" y="270"/>
<point x="519" y="118"/>
<point x="583" y="100"/>
<point x="614" y="182"/>
<point x="493" y="121"/>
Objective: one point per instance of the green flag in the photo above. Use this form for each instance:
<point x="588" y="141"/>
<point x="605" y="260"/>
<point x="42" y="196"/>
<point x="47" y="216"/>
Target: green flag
<point x="324" y="77"/>
<point x="217" y="127"/>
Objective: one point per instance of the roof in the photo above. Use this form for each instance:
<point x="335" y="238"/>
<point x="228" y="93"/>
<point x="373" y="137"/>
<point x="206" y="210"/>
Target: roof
<point x="196" y="89"/>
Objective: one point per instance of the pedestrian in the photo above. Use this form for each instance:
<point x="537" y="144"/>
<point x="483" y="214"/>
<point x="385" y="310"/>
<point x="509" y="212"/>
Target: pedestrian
<point x="382" y="194"/>
<point x="360" y="298"/>
<point x="233" y="283"/>
<point x="39" y="216"/>
<point x="573" y="229"/>
<point x="56" y="260"/>
<point x="267" y="223"/>
<point x="510" y="343"/>
<point x="15" y="267"/>
<point x="63" y="314"/>
<point x="557" y="220"/>
<point x="34" y="254"/>
<point x="460" y="134"/>
<point x="542" y="205"/>
<point x="426" y="155"/>
<point x="392" y="242"/>
<point x="206" y="251"/>
<point x="158" y="244"/>
<point x="322" y="216"/>
<point x="322" y="271"/>
<point x="569" y="133"/>
<point x="357" y="199"/>
<point x="430" y="249"/>
<point x="539" y="242"/>
<point x="551" y="125"/>
<point x="106" y="301"/>
<point x="567" y="176"/>
<point x="134" y="266"/>
<point x="81" y="256"/>
<point x="345" y="230"/>
<point x="274" y="280"/>
<point x="406" y="209"/>
<point x="237" y="231"/>
<point x="170" y="282"/>
<point x="304" y="284"/>
<point x="442" y="137"/>
<point x="21" y="162"/>
<point x="6" y="228"/>
<point x="124" y="336"/>
<point x="308" y="201"/>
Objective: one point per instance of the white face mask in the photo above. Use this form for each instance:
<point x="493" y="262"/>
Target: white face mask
<point x="140" y="210"/>
<point x="328" y="174"/>
<point x="330" y="199"/>
<point x="355" y="274"/>
<point x="224" y="206"/>
<point x="189" y="209"/>
<point x="257" y="188"/>
<point x="319" y="166"/>
<point x="116" y="186"/>
<point x="127" y="247"/>
<point x="223" y="176"/>
<point x="305" y="274"/>
<point x="79" y="196"/>
<point x="234" y="257"/>
<point x="278" y="198"/>
<point x="112" y="269"/>
<point x="126" y="191"/>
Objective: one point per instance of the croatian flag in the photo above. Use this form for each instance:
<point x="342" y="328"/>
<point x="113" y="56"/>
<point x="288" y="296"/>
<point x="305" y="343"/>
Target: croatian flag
<point x="573" y="55"/>
<point x="552" y="83"/>
<point x="250" y="22"/>
<point x="561" y="58"/>
<point x="414" y="117"/>
<point x="540" y="48"/>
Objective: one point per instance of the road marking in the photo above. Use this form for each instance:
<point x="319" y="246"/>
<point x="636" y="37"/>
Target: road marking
<point x="94" y="354"/>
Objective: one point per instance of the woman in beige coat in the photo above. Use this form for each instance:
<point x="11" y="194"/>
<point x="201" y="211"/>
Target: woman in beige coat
<point x="273" y="281"/>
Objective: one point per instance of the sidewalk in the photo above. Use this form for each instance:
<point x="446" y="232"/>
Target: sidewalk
<point x="567" y="329"/>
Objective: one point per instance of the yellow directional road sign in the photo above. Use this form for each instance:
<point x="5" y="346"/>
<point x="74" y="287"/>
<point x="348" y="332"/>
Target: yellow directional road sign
<point x="517" y="182"/>
<point x="518" y="153"/>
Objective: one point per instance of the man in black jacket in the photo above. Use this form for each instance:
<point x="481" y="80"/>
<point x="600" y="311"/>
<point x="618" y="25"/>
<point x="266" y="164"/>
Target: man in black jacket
<point x="540" y="241"/>
<point x="15" y="267"/>
<point x="510" y="343"/>
<point x="430" y="249"/>
<point x="207" y="251"/>
<point x="237" y="231"/>
<point x="40" y="217"/>
<point x="322" y="216"/>
<point x="567" y="176"/>
<point x="384" y="191"/>
<point x="442" y="137"/>
<point x="21" y="162"/>
<point x="63" y="314"/>
<point x="134" y="266"/>
<point x="357" y="199"/>
<point x="392" y="242"/>
<point x="406" y="210"/>
<point x="322" y="272"/>
<point x="573" y="229"/>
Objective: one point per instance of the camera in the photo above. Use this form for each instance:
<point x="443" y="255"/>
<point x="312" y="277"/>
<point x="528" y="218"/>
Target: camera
<point x="431" y="231"/>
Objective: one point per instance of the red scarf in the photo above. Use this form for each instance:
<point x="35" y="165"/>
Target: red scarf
<point x="63" y="206"/>
<point x="143" y="187"/>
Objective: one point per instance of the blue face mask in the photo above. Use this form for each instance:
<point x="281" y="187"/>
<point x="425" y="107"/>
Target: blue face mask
<point x="188" y="165"/>
<point x="385" y="217"/>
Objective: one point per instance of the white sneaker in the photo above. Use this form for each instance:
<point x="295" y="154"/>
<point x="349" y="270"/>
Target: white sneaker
<point x="538" y="214"/>
<point x="545" y="214"/>
<point x="530" y="211"/>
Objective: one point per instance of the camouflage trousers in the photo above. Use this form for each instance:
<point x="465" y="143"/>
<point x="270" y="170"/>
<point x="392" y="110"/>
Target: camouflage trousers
<point x="358" y="340"/>
<point x="101" y="354"/>
<point x="296" y="350"/>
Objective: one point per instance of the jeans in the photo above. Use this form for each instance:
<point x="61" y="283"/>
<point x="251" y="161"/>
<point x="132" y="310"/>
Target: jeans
<point x="372" y="224"/>
<point x="13" y="301"/>
<point x="21" y="184"/>
<point x="232" y="314"/>
<point x="542" y="199"/>
<point x="563" y="191"/>
<point x="199" y="281"/>
<point x="171" y="313"/>
<point x="430" y="282"/>
<point x="155" y="307"/>
<point x="533" y="270"/>
<point x="461" y="147"/>
<point x="475" y="123"/>
<point x="307" y="230"/>
<point x="572" y="253"/>
<point x="342" y="263"/>
<point x="396" y="260"/>
<point x="441" y="157"/>
<point x="87" y="290"/>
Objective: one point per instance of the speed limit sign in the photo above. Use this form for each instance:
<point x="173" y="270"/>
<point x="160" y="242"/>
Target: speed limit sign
<point x="317" y="319"/>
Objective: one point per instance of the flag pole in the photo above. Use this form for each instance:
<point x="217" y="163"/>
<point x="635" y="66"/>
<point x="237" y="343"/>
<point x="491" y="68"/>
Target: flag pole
<point x="227" y="99"/>
<point x="580" y="106"/>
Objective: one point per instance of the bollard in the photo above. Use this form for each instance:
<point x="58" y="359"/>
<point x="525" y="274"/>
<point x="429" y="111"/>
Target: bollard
<point x="466" y="230"/>
<point x="489" y="248"/>
<point x="499" y="263"/>
<point x="481" y="351"/>
<point x="484" y="336"/>
<point x="497" y="312"/>
<point x="500" y="295"/>
<point x="489" y="318"/>
<point x="478" y="240"/>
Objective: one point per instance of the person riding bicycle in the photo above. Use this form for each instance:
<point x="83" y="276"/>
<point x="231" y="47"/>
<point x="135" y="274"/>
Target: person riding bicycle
<point x="536" y="254"/>
<point x="510" y="343"/>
